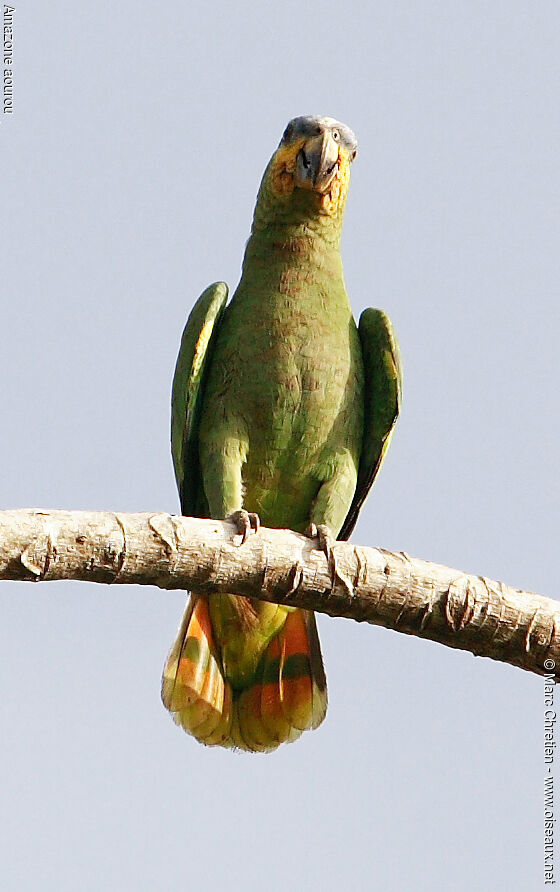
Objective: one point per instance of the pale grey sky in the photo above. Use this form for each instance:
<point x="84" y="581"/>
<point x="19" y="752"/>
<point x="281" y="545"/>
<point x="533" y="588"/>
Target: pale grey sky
<point x="129" y="172"/>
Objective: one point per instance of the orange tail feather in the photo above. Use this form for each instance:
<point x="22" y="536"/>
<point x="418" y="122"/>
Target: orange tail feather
<point x="287" y="696"/>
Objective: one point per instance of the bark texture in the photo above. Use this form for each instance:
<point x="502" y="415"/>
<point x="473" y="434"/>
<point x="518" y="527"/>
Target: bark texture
<point x="371" y="585"/>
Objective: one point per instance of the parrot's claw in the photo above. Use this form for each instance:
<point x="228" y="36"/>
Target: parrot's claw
<point x="326" y="539"/>
<point x="245" y="521"/>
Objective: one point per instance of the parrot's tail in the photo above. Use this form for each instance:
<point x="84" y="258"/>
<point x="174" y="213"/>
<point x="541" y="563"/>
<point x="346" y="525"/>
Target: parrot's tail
<point x="287" y="696"/>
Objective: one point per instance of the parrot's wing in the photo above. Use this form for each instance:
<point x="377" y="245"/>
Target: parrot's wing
<point x="382" y="401"/>
<point x="186" y="395"/>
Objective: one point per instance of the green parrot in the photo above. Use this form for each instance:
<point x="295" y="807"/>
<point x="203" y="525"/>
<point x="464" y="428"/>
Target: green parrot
<point x="282" y="410"/>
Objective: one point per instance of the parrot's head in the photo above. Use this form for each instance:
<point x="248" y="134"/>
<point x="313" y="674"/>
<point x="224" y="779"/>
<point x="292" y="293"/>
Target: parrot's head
<point x="310" y="168"/>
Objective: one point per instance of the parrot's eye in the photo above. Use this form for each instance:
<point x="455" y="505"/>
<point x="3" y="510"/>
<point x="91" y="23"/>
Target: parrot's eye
<point x="336" y="135"/>
<point x="353" y="155"/>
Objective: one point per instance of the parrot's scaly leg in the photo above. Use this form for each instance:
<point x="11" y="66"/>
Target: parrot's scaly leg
<point x="224" y="488"/>
<point x="335" y="494"/>
<point x="331" y="505"/>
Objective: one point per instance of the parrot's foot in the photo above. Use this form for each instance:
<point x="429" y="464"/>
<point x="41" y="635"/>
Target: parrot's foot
<point x="245" y="521"/>
<point x="327" y="543"/>
<point x="321" y="532"/>
<point x="326" y="539"/>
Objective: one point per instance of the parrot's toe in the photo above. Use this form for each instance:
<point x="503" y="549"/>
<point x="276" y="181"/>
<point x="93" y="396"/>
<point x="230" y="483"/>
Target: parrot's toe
<point x="245" y="521"/>
<point x="326" y="539"/>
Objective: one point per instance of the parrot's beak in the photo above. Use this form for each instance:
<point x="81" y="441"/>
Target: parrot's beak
<point x="317" y="163"/>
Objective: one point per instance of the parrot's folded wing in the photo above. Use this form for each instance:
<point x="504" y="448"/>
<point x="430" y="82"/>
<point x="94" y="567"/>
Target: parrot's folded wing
<point x="186" y="397"/>
<point x="382" y="402"/>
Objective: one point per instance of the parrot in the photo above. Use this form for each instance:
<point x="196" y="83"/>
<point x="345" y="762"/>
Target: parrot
<point x="282" y="410"/>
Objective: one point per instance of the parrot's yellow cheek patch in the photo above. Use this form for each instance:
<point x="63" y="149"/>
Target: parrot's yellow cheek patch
<point x="332" y="201"/>
<point x="283" y="167"/>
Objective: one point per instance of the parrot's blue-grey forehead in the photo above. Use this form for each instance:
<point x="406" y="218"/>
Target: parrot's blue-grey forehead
<point x="312" y="125"/>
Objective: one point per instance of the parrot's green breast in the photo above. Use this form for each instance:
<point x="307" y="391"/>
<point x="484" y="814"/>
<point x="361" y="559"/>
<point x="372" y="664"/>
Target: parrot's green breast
<point x="285" y="383"/>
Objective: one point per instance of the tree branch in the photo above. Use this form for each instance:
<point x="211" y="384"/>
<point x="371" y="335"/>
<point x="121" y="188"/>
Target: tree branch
<point x="371" y="585"/>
